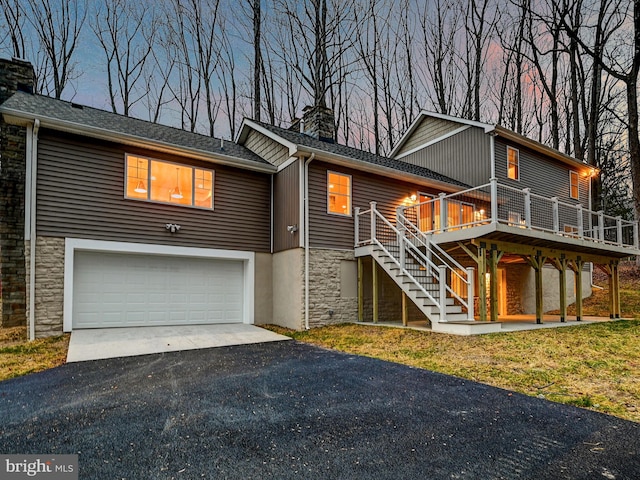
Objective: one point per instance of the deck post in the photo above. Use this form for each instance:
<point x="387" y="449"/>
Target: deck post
<point x="493" y="284"/>
<point x="482" y="283"/>
<point x="527" y="207"/>
<point x="612" y="287"/>
<point x="471" y="289"/>
<point x="635" y="234"/>
<point x="443" y="212"/>
<point x="356" y="226"/>
<point x="360" y="290"/>
<point x="580" y="220"/>
<point x="562" y="273"/>
<point x="405" y="310"/>
<point x="494" y="200"/>
<point x="539" y="295"/>
<point x="373" y="221"/>
<point x="442" y="283"/>
<point x="616" y="279"/>
<point x="601" y="225"/>
<point x="375" y="291"/>
<point x="619" y="230"/>
<point x="578" y="281"/>
<point x="556" y="218"/>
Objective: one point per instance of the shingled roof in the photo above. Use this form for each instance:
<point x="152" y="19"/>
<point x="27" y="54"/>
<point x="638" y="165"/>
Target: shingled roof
<point x="68" y="116"/>
<point x="304" y="140"/>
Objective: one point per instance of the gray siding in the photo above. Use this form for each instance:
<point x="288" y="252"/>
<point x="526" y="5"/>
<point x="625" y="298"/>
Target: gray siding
<point x="544" y="176"/>
<point x="429" y="129"/>
<point x="336" y="231"/>
<point x="465" y="157"/>
<point x="81" y="194"/>
<point x="286" y="207"/>
<point x="270" y="150"/>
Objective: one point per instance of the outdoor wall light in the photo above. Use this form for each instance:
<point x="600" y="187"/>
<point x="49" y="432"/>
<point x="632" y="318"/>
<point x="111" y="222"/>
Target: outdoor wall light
<point x="413" y="197"/>
<point x="292" y="229"/>
<point x="172" y="227"/>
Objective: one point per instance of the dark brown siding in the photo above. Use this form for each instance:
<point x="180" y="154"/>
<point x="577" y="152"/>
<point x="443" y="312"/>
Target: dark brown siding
<point x="336" y="231"/>
<point x="543" y="176"/>
<point x="81" y="194"/>
<point x="465" y="156"/>
<point x="286" y="207"/>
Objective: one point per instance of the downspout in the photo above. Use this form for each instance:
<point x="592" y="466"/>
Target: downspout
<point x="306" y="240"/>
<point x="32" y="230"/>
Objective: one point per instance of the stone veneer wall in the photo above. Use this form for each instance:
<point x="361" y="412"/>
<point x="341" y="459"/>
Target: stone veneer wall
<point x="326" y="303"/>
<point x="49" y="296"/>
<point x="326" y="291"/>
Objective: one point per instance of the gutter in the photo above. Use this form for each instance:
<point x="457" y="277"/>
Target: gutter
<point x="32" y="229"/>
<point x="306" y="239"/>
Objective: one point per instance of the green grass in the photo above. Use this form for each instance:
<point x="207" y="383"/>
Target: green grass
<point x="19" y="357"/>
<point x="592" y="366"/>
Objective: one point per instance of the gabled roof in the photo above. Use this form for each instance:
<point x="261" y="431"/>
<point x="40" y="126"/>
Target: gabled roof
<point x="23" y="108"/>
<point x="492" y="129"/>
<point x="301" y="143"/>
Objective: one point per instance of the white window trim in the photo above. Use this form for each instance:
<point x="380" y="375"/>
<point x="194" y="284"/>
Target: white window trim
<point x="577" y="176"/>
<point x="518" y="164"/>
<point x="179" y="165"/>
<point x="77" y="244"/>
<point x="350" y="214"/>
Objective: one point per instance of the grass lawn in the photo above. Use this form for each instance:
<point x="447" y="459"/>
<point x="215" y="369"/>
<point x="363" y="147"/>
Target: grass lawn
<point x="18" y="356"/>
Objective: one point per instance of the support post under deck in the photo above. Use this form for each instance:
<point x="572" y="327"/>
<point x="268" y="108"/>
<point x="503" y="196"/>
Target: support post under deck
<point x="360" y="290"/>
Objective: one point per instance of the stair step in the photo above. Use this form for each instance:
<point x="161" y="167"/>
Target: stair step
<point x="451" y="317"/>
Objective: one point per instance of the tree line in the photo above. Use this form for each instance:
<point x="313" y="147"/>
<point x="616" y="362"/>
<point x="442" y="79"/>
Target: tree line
<point x="562" y="72"/>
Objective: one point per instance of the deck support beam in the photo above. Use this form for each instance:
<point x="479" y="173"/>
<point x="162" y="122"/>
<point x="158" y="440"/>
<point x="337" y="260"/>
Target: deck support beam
<point x="616" y="277"/>
<point x="561" y="264"/>
<point x="537" y="261"/>
<point x="614" y="288"/>
<point x="360" y="290"/>
<point x="405" y="310"/>
<point x="481" y="260"/>
<point x="374" y="272"/>
<point x="494" y="258"/>
<point x="576" y="266"/>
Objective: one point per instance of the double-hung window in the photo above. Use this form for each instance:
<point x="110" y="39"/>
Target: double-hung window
<point x="339" y="193"/>
<point x="574" y="191"/>
<point x="165" y="182"/>
<point x="513" y="163"/>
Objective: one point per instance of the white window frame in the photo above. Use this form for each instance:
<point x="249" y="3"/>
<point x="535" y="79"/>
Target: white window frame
<point x="573" y="173"/>
<point x="329" y="212"/>
<point x="178" y="165"/>
<point x="517" y="163"/>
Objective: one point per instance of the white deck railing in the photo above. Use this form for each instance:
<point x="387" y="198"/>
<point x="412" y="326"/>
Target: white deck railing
<point x="497" y="203"/>
<point x="418" y="258"/>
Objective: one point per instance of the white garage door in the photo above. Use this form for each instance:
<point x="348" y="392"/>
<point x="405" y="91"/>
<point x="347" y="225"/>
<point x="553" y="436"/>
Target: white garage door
<point x="132" y="290"/>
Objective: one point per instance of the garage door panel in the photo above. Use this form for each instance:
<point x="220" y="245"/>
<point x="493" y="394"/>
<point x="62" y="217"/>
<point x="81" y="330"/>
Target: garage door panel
<point x="114" y="289"/>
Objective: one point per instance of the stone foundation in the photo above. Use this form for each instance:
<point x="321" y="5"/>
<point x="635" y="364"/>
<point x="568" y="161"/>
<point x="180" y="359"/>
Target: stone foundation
<point x="49" y="295"/>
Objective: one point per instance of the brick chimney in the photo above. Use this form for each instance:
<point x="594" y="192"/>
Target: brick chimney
<point x="14" y="75"/>
<point x="319" y="123"/>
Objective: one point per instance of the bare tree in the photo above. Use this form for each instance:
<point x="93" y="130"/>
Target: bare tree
<point x="58" y="24"/>
<point x="125" y="31"/>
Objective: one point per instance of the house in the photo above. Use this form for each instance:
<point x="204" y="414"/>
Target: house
<point x="123" y="222"/>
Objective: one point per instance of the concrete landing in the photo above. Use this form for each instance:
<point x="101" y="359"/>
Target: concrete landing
<point x="100" y="343"/>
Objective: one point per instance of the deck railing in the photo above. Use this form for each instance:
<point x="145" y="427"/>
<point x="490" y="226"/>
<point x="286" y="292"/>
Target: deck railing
<point x="498" y="203"/>
<point x="422" y="261"/>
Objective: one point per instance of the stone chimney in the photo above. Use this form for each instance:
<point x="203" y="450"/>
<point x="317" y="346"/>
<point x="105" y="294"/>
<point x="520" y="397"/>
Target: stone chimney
<point x="319" y="123"/>
<point x="14" y="75"/>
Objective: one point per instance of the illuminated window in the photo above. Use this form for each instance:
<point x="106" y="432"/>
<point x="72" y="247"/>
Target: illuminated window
<point x="573" y="184"/>
<point x="164" y="182"/>
<point x="513" y="163"/>
<point x="339" y="193"/>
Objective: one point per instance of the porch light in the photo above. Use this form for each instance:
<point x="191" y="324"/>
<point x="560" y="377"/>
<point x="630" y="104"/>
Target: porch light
<point x="413" y="197"/>
<point x="176" y="193"/>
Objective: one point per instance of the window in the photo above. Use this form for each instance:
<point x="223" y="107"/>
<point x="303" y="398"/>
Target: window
<point x="574" y="192"/>
<point x="164" y="182"/>
<point x="338" y="193"/>
<point x="513" y="163"/>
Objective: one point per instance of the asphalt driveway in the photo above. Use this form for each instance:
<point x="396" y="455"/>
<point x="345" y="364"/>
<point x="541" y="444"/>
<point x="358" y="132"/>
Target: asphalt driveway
<point x="290" y="410"/>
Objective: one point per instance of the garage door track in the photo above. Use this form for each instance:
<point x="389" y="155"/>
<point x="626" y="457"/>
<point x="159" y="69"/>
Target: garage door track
<point x="290" y="410"/>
